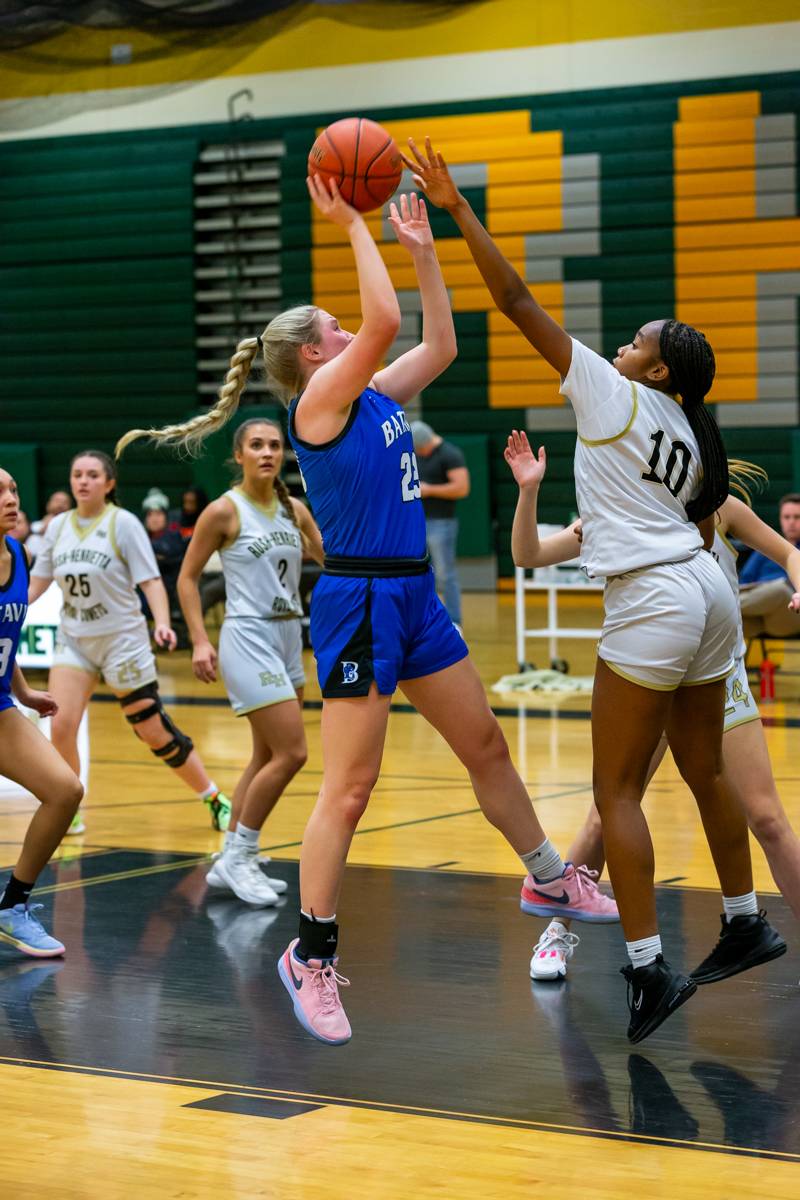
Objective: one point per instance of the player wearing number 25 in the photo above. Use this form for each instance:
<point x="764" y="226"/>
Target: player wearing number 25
<point x="98" y="554"/>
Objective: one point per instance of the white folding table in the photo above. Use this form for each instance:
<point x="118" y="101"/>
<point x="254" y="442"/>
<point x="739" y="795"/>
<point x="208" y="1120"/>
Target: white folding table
<point x="553" y="582"/>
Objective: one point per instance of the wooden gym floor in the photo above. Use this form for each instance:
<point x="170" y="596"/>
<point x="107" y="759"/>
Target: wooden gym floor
<point x="160" y="1058"/>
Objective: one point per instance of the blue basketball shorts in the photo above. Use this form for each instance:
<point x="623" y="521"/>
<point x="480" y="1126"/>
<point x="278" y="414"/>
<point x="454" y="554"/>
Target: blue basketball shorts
<point x="381" y="631"/>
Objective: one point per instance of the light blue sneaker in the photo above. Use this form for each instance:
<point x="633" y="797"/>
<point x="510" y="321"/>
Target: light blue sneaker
<point x="21" y="929"/>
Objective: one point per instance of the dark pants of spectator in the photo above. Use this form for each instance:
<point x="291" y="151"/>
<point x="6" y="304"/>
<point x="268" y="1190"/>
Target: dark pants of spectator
<point x="212" y="590"/>
<point x="765" y="609"/>
<point x="442" y="538"/>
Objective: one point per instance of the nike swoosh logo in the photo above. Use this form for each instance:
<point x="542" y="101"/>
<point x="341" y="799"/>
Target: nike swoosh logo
<point x="298" y="983"/>
<point x="562" y="899"/>
<point x="637" y="1004"/>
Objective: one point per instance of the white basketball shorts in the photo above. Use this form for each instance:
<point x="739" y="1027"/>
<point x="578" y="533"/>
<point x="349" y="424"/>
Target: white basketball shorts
<point x="123" y="659"/>
<point x="670" y="625"/>
<point x="261" y="662"/>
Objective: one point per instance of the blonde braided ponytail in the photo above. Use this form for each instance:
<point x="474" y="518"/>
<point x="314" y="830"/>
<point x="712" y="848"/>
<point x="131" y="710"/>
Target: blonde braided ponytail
<point x="190" y="435"/>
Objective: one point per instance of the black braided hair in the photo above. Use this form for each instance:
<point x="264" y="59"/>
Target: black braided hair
<point x="690" y="361"/>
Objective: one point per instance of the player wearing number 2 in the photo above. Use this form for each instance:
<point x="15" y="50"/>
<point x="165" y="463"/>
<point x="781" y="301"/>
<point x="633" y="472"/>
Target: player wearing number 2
<point x="648" y="468"/>
<point x="376" y="621"/>
<point x="260" y="532"/>
<point x="99" y="554"/>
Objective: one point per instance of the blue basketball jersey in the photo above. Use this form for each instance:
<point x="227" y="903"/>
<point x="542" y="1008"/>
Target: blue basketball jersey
<point x="13" y="610"/>
<point x="363" y="485"/>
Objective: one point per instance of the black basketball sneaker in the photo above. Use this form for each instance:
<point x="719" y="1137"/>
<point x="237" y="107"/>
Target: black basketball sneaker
<point x="744" y="942"/>
<point x="654" y="992"/>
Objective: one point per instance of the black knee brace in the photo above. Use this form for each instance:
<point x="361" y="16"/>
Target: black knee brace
<point x="176" y="751"/>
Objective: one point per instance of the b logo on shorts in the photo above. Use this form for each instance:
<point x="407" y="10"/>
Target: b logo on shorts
<point x="349" y="672"/>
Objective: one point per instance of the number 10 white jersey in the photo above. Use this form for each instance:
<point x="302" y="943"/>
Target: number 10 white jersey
<point x="637" y="465"/>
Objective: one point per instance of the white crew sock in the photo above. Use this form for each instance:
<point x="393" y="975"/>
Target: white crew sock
<point x="245" y="840"/>
<point x="740" y="906"/>
<point x="643" y="952"/>
<point x="544" y="863"/>
<point x="209" y="792"/>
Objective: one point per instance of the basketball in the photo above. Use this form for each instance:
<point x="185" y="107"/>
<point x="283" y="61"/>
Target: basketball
<point x="363" y="159"/>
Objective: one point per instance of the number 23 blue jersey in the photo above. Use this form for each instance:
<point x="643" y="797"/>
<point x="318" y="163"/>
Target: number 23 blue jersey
<point x="363" y="484"/>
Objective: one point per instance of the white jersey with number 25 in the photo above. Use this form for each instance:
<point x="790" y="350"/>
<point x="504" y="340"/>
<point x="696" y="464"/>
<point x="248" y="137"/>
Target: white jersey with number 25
<point x="97" y="562"/>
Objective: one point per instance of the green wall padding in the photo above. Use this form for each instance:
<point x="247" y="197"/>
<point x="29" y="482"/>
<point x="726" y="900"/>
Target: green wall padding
<point x="21" y="460"/>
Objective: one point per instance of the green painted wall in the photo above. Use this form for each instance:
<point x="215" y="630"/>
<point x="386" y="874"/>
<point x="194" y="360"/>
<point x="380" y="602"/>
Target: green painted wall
<point x="97" y="321"/>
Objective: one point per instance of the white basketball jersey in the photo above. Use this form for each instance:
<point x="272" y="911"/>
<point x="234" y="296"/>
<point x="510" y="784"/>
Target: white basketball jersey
<point x="97" y="563"/>
<point x="726" y="555"/>
<point x="262" y="566"/>
<point x="637" y="465"/>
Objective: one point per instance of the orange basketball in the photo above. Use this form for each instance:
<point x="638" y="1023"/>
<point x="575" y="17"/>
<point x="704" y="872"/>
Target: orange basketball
<point x="363" y="159"/>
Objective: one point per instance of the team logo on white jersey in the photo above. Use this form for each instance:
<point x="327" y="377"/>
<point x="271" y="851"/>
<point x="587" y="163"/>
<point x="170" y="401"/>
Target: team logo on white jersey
<point x="349" y="672"/>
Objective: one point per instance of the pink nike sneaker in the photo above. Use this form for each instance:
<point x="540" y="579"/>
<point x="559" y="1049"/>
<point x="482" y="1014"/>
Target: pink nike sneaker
<point x="574" y="894"/>
<point x="314" y="989"/>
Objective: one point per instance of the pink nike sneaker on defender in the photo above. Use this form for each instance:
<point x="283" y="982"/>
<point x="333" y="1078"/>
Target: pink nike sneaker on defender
<point x="574" y="894"/>
<point x="314" y="989"/>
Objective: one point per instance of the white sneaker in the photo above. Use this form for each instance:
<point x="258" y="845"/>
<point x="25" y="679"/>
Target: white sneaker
<point x="278" y="885"/>
<point x="213" y="878"/>
<point x="553" y="951"/>
<point x="241" y="873"/>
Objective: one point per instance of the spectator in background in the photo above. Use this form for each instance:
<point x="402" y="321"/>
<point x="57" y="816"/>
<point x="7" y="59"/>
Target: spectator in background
<point x="212" y="582"/>
<point x="57" y="503"/>
<point x="155" y="498"/>
<point x="184" y="519"/>
<point x="169" y="549"/>
<point x="22" y="530"/>
<point x="765" y="589"/>
<point x="444" y="478"/>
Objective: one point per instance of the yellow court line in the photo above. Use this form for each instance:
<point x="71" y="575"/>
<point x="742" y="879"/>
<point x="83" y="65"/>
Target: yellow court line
<point x="178" y="865"/>
<point x="136" y="873"/>
<point x="388" y="1106"/>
